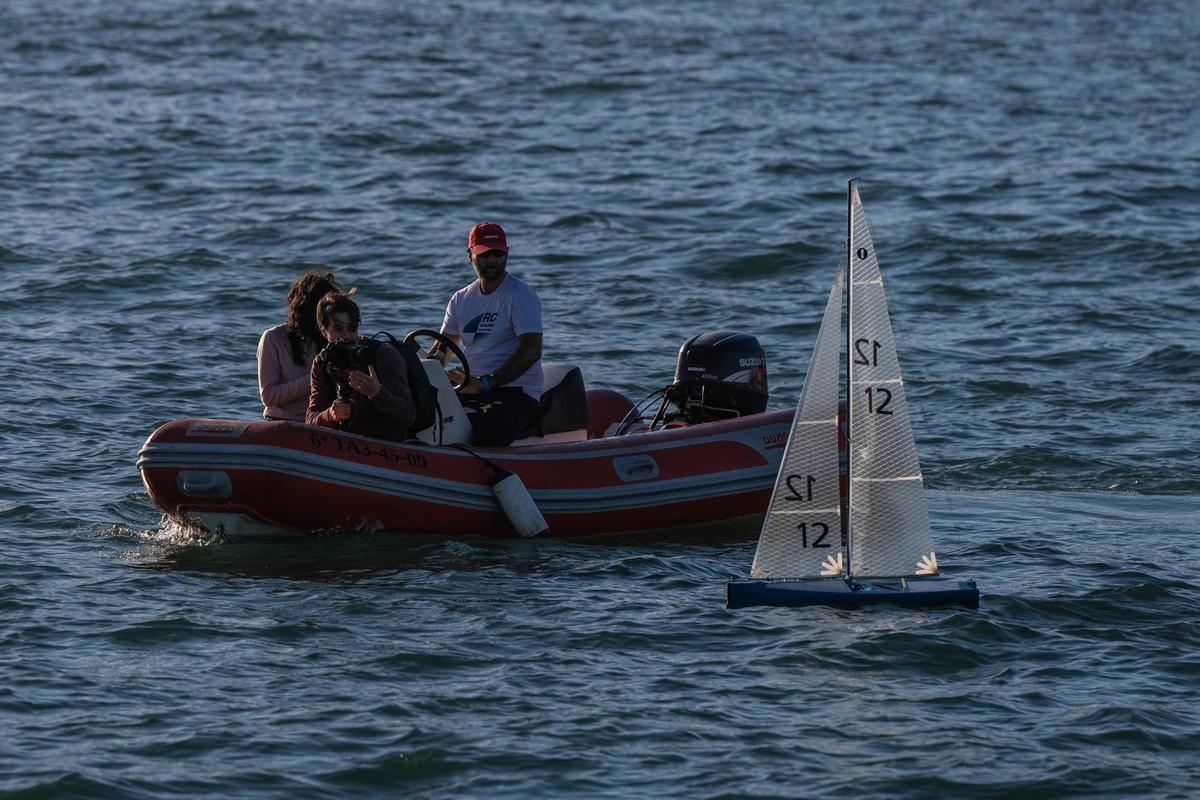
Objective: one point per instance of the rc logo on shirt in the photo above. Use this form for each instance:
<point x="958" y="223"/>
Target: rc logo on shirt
<point x="482" y="325"/>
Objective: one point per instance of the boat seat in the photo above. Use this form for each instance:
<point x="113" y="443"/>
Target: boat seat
<point x="563" y="405"/>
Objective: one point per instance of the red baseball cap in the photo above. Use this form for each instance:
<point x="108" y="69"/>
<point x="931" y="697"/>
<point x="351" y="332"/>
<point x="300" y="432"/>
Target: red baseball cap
<point x="486" y="236"/>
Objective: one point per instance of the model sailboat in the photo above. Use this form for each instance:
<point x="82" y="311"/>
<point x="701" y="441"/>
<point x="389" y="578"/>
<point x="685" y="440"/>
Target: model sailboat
<point x="884" y="553"/>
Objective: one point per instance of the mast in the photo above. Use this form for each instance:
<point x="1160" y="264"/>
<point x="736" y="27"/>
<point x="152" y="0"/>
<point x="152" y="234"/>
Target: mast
<point x="849" y="359"/>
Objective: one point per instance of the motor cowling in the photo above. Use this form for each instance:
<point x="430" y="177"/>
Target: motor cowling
<point x="719" y="375"/>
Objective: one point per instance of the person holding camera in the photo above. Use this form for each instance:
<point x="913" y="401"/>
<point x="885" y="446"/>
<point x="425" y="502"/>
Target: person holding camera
<point x="356" y="384"/>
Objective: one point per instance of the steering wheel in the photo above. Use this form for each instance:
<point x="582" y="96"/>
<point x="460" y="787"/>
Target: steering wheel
<point x="411" y="341"/>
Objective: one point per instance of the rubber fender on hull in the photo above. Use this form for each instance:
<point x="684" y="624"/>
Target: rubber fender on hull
<point x="518" y="505"/>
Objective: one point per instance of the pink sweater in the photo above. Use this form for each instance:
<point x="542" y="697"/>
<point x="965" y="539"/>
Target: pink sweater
<point x="282" y="383"/>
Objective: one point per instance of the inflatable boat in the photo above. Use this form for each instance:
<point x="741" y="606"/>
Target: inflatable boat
<point x="593" y="463"/>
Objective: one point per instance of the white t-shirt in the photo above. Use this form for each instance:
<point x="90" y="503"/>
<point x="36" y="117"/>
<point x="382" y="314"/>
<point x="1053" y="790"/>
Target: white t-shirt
<point x="489" y="325"/>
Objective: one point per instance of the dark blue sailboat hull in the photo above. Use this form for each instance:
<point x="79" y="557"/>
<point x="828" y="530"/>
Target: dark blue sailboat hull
<point x="839" y="592"/>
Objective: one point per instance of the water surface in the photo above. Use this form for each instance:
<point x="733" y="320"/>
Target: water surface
<point x="1031" y="172"/>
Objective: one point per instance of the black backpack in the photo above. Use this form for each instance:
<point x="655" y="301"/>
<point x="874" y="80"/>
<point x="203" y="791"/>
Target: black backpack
<point x="423" y="393"/>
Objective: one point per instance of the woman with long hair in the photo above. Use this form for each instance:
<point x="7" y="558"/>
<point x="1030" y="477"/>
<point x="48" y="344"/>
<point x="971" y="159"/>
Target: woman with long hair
<point x="286" y="352"/>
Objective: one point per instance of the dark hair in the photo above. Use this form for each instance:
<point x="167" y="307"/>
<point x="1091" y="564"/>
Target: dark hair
<point x="337" y="303"/>
<point x="307" y="290"/>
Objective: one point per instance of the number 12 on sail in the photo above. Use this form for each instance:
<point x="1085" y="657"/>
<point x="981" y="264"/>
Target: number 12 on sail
<point x="884" y="553"/>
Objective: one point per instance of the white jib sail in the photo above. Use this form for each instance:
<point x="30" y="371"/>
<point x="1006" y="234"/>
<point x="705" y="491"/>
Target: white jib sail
<point x="889" y="521"/>
<point x="801" y="535"/>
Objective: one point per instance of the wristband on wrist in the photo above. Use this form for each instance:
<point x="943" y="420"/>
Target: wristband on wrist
<point x="485" y="383"/>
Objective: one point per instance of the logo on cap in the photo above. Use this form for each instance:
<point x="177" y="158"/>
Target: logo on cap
<point x="486" y="236"/>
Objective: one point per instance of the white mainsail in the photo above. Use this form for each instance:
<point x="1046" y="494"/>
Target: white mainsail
<point x="889" y="521"/>
<point x="801" y="535"/>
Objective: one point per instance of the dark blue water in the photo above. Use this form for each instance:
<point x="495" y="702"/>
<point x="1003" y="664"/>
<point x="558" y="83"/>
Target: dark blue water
<point x="662" y="169"/>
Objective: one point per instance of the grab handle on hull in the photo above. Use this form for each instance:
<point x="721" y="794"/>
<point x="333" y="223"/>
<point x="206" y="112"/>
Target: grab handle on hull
<point x="636" y="468"/>
<point x="209" y="483"/>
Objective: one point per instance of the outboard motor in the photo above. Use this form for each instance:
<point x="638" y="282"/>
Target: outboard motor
<point x="719" y="375"/>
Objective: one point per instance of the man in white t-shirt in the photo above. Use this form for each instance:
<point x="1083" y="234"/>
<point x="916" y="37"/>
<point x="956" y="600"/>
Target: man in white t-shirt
<point x="498" y="321"/>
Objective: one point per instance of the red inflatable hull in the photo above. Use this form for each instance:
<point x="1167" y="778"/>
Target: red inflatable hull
<point x="247" y="478"/>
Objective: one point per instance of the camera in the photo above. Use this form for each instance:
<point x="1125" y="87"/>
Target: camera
<point x="346" y="354"/>
<point x="342" y="356"/>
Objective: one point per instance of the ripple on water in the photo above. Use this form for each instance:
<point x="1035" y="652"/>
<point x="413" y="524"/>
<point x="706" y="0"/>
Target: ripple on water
<point x="165" y="179"/>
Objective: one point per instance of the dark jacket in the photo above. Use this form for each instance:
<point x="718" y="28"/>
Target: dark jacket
<point x="388" y="416"/>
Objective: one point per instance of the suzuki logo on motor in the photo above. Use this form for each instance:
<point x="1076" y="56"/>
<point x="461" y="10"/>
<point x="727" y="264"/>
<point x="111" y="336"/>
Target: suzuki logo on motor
<point x="774" y="441"/>
<point x="754" y="361"/>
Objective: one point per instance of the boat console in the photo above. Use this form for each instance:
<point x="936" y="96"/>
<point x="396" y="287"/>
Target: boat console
<point x="562" y="411"/>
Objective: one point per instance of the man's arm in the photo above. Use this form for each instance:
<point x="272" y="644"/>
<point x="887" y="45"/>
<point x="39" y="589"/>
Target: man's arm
<point x="529" y="350"/>
<point x="527" y="320"/>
